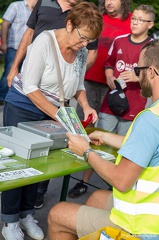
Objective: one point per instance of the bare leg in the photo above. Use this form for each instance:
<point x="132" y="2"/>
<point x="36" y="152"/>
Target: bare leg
<point x="62" y="217"/>
<point x="99" y="199"/>
<point x="87" y="175"/>
<point x="62" y="221"/>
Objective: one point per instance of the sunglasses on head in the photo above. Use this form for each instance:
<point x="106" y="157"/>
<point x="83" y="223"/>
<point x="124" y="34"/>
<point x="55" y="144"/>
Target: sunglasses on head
<point x="138" y="69"/>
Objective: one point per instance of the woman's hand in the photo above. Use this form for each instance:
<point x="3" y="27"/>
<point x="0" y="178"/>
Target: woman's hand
<point x="87" y="111"/>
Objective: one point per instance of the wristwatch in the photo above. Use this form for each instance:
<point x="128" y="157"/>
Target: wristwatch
<point x="86" y="154"/>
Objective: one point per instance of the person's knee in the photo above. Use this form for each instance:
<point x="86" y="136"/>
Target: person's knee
<point x="54" y="215"/>
<point x="62" y="218"/>
<point x="61" y="211"/>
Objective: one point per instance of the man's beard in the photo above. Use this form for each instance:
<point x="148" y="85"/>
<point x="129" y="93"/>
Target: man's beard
<point x="113" y="13"/>
<point x="146" y="89"/>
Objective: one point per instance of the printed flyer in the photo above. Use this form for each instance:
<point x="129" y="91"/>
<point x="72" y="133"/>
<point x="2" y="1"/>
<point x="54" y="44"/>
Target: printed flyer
<point x="104" y="155"/>
<point x="68" y="117"/>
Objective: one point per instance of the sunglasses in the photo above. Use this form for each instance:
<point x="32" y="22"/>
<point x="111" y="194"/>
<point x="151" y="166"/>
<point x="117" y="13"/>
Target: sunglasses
<point x="138" y="69"/>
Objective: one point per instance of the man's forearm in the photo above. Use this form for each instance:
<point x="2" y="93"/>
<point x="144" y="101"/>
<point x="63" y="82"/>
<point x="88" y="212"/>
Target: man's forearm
<point x="113" y="139"/>
<point x="21" y="52"/>
<point x="4" y="33"/>
<point x="92" y="55"/>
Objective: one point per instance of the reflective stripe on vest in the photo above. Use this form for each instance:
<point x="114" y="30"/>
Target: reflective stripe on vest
<point x="137" y="210"/>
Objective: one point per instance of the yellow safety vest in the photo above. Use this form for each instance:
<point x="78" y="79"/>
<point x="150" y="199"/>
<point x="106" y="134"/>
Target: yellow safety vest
<point x="137" y="210"/>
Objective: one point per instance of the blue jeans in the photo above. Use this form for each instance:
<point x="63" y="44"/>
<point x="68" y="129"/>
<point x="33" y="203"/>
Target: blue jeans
<point x="18" y="202"/>
<point x="9" y="58"/>
<point x="43" y="186"/>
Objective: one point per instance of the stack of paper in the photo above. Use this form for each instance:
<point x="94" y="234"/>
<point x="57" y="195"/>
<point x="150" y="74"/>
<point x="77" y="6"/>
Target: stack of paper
<point x="68" y="117"/>
<point x="102" y="154"/>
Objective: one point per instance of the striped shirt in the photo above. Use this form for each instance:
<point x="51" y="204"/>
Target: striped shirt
<point x="17" y="15"/>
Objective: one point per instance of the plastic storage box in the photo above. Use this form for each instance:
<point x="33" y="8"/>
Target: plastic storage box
<point x="112" y="232"/>
<point x="49" y="129"/>
<point x="25" y="144"/>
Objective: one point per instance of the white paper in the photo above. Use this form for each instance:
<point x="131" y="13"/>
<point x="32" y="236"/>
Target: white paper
<point x="21" y="173"/>
<point x="104" y="155"/>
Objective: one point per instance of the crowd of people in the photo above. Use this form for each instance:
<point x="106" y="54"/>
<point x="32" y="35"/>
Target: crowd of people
<point x="95" y="47"/>
<point x="116" y="20"/>
<point x="134" y="176"/>
<point x="46" y="15"/>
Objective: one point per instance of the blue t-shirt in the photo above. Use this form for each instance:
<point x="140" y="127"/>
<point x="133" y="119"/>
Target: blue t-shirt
<point x="142" y="146"/>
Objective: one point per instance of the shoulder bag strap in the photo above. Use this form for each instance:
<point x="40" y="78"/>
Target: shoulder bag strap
<point x="61" y="92"/>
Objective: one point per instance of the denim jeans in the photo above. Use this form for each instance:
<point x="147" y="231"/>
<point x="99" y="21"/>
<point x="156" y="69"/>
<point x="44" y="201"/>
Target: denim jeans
<point x="18" y="202"/>
<point x="43" y="187"/>
<point x="9" y="58"/>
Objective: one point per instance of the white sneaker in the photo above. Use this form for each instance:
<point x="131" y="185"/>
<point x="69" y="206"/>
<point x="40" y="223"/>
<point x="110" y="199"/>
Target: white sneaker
<point x="12" y="232"/>
<point x="29" y="224"/>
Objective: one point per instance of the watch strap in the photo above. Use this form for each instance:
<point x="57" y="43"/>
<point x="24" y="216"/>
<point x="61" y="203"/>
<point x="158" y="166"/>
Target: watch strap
<point x="86" y="154"/>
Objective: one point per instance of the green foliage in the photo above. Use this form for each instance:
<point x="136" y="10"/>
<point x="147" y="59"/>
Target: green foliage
<point x="4" y="5"/>
<point x="94" y="1"/>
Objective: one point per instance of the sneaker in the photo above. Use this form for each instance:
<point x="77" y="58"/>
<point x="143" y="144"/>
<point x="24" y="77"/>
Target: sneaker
<point x="77" y="190"/>
<point x="39" y="201"/>
<point x="29" y="224"/>
<point x="12" y="231"/>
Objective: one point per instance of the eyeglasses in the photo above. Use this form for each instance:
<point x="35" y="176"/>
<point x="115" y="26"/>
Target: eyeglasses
<point x="83" y="38"/>
<point x="139" y="20"/>
<point x="138" y="69"/>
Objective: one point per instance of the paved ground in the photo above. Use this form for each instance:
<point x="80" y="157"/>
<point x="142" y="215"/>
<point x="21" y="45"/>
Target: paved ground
<point x="53" y="194"/>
